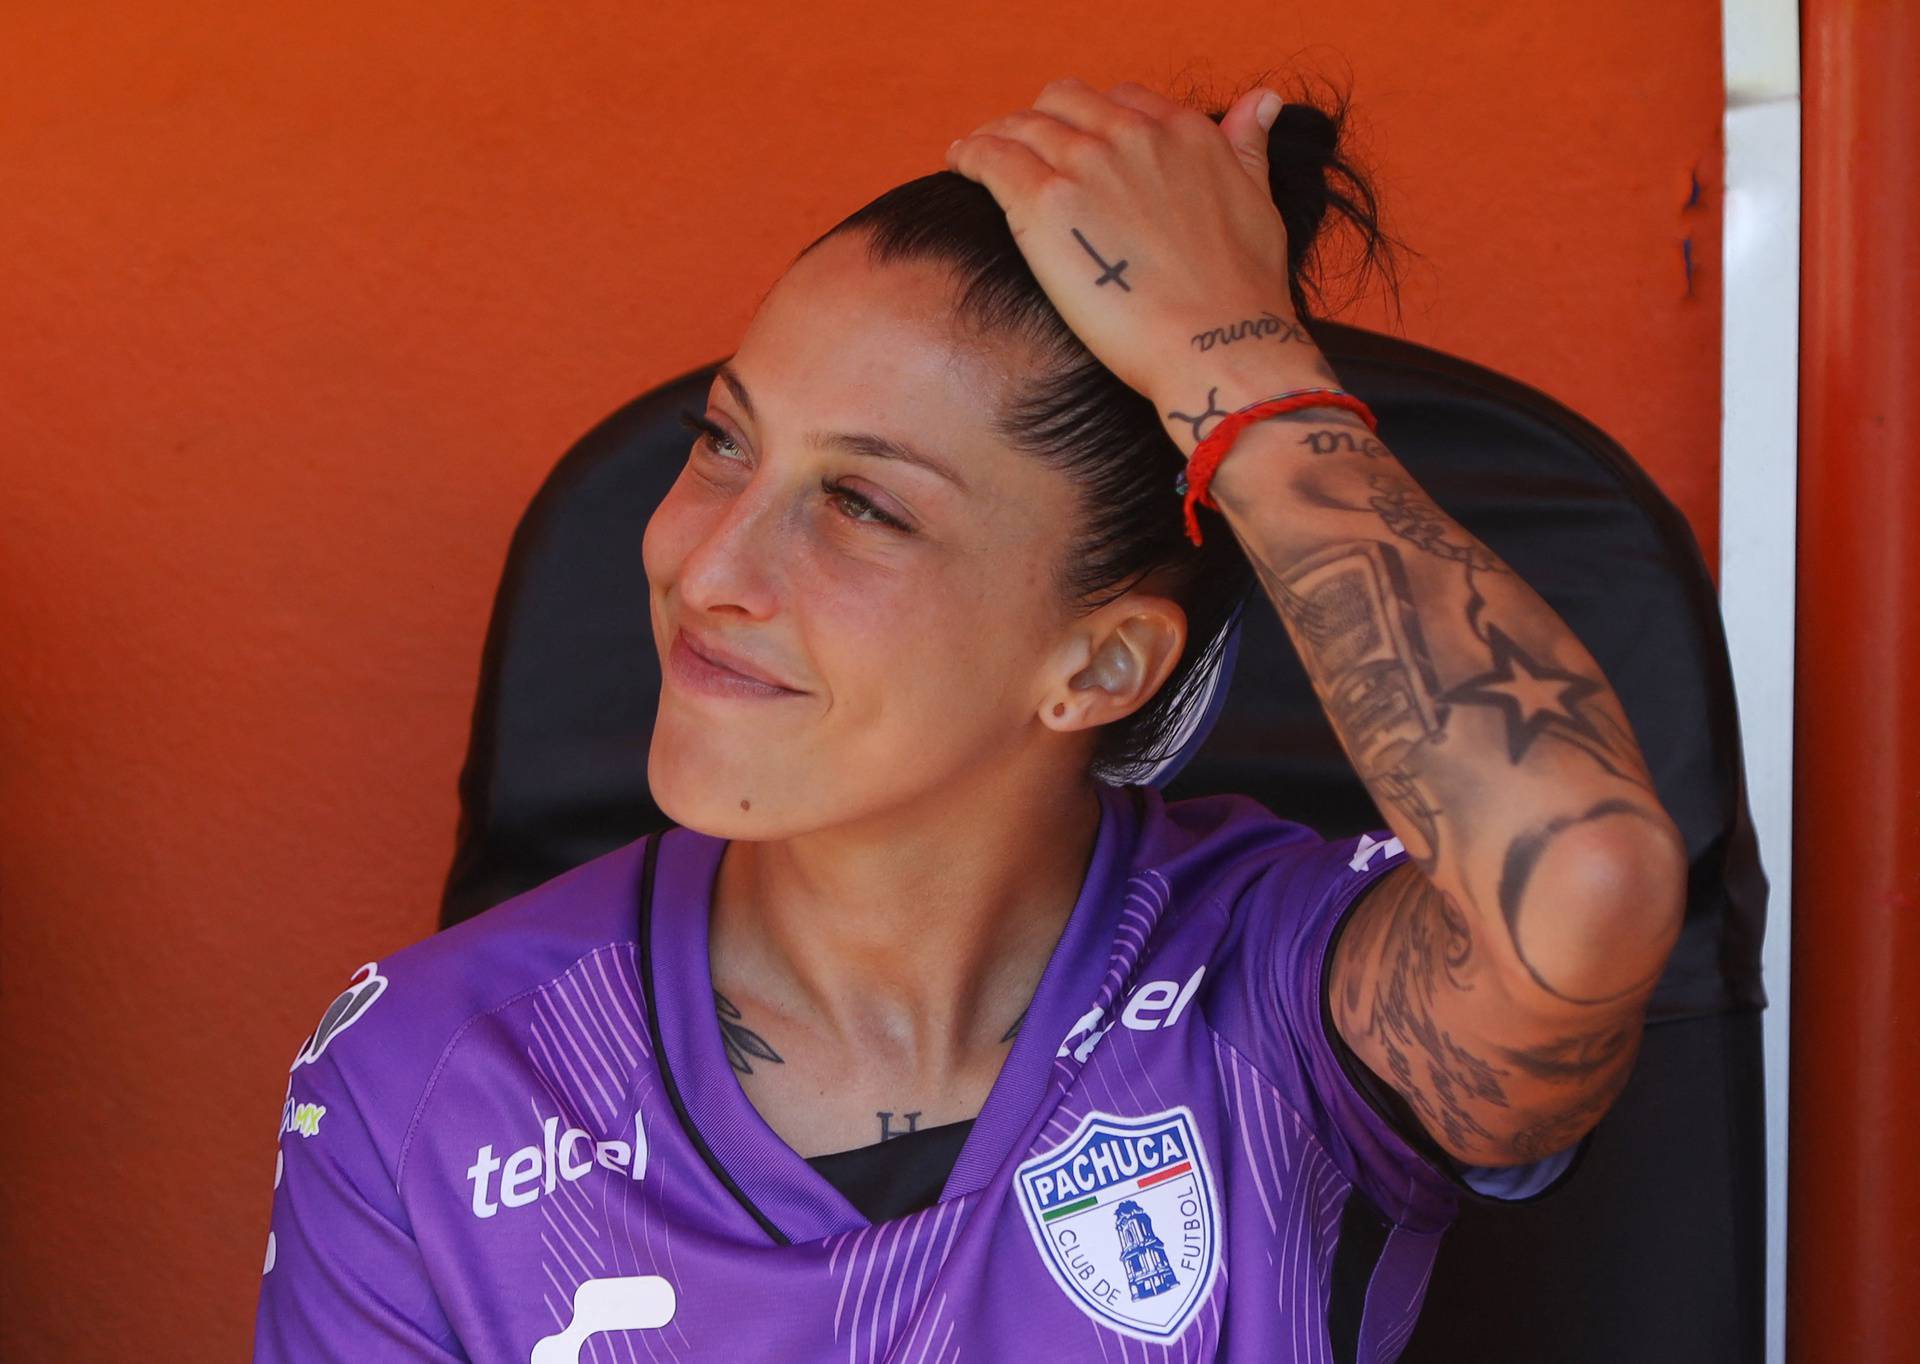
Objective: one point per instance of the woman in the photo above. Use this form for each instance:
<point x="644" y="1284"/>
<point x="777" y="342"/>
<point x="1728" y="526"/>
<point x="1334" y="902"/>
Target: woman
<point x="925" y="1034"/>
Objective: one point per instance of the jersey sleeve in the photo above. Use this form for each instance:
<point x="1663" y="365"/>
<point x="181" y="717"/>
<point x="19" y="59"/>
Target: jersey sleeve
<point x="1305" y="900"/>
<point x="344" y="1279"/>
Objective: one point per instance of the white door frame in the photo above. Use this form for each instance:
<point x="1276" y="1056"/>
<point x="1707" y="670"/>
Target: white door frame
<point x="1759" y="475"/>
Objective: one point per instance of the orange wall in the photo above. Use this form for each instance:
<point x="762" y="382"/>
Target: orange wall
<point x="295" y="313"/>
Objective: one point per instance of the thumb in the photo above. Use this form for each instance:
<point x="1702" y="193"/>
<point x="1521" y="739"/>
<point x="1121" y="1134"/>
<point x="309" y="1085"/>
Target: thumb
<point x="1246" y="125"/>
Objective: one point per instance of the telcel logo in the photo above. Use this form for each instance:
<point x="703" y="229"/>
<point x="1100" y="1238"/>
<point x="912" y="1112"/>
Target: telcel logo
<point x="534" y="1170"/>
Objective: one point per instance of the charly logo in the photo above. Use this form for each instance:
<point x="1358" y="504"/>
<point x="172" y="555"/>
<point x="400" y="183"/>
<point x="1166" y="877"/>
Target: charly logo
<point x="635" y="1302"/>
<point x="355" y="1000"/>
<point x="1124" y="1215"/>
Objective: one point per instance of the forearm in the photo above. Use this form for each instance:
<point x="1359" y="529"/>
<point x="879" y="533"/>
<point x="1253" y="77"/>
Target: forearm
<point x="1487" y="734"/>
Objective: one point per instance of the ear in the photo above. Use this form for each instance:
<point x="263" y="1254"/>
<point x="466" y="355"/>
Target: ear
<point x="1130" y="654"/>
<point x="1246" y="125"/>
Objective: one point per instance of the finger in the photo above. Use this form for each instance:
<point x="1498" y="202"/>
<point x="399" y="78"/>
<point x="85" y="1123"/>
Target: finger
<point x="1056" y="143"/>
<point x="1078" y="105"/>
<point x="1010" y="170"/>
<point x="1136" y="96"/>
<point x="1247" y="135"/>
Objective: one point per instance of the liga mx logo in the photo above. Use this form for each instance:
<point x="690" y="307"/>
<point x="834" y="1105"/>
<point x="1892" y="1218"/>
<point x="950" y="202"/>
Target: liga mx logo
<point x="1124" y="1215"/>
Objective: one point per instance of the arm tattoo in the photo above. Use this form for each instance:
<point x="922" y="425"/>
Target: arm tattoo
<point x="1267" y="324"/>
<point x="1405" y="623"/>
<point x="1353" y="619"/>
<point x="1112" y="271"/>
<point x="1406" y="951"/>
<point x="1410" y="514"/>
<point x="742" y="1042"/>
<point x="1352" y="616"/>
<point x="1562" y="1128"/>
<point x="1577" y="1059"/>
<point x="1522" y="853"/>
<point x="1533" y="697"/>
<point x="1423" y="945"/>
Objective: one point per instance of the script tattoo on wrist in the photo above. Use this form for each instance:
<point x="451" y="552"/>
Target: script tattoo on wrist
<point x="1331" y="442"/>
<point x="1367" y="445"/>
<point x="1112" y="271"/>
<point x="742" y="1042"/>
<point x="1267" y="324"/>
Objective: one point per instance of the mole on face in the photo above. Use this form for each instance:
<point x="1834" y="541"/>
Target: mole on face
<point x="744" y="804"/>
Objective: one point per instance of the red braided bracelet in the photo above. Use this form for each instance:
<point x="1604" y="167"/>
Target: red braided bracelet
<point x="1207" y="455"/>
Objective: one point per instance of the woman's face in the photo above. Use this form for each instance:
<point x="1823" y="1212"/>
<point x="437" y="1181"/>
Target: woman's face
<point x="920" y="661"/>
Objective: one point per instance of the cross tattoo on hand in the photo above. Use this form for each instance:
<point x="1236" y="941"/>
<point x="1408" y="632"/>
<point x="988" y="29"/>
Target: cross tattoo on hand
<point x="1112" y="271"/>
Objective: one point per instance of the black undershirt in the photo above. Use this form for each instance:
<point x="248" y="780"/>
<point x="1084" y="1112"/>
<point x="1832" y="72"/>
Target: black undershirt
<point x="897" y="1176"/>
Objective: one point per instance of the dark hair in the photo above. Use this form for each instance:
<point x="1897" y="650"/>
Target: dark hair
<point x="1077" y="416"/>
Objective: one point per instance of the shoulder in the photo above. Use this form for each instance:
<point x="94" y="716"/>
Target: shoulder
<point x="379" y="1043"/>
<point x="1215" y="835"/>
<point x="1257" y="894"/>
<point x="1232" y="849"/>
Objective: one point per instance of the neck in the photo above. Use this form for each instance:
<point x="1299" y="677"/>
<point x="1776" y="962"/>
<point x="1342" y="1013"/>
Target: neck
<point x="920" y="934"/>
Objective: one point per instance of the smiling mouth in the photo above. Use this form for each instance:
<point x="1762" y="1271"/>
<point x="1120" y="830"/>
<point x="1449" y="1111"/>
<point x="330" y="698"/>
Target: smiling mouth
<point x="694" y="670"/>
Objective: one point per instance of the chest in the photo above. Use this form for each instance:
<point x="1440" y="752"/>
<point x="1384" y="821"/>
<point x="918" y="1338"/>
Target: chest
<point x="1144" y="1180"/>
<point x="821" y="1098"/>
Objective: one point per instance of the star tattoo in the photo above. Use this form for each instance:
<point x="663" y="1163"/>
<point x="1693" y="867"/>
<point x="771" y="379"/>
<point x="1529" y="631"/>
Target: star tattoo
<point x="1532" y="696"/>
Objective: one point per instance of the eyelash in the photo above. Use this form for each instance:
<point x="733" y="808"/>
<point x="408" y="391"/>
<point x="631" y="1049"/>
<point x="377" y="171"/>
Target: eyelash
<point x="712" y="432"/>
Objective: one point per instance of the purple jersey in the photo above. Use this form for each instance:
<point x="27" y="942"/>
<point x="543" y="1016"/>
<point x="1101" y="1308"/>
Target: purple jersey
<point x="520" y="1139"/>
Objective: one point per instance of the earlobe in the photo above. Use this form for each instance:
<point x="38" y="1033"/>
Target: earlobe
<point x="1113" y="668"/>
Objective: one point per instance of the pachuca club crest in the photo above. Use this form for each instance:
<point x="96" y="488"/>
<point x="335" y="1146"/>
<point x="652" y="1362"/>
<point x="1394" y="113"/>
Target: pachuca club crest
<point x="1125" y="1217"/>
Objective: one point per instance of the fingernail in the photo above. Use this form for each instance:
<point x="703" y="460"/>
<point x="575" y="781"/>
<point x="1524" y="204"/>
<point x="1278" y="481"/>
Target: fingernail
<point x="1267" y="110"/>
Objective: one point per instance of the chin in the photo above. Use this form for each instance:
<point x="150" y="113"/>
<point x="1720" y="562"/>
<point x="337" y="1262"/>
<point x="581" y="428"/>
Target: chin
<point x="700" y="789"/>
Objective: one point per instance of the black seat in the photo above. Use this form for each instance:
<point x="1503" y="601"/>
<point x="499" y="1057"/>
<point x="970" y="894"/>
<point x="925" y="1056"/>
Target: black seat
<point x="1654" y="1251"/>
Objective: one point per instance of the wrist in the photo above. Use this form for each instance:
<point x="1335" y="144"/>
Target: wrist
<point x="1192" y="403"/>
<point x="1273" y="442"/>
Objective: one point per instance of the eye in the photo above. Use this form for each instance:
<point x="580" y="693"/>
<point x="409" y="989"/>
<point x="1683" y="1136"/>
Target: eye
<point x="848" y="497"/>
<point x="860" y="509"/>
<point x="711" y="432"/>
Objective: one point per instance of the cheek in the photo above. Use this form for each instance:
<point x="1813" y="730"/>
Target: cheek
<point x="927" y="669"/>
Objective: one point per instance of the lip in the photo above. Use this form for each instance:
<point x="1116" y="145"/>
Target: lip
<point x="704" y="668"/>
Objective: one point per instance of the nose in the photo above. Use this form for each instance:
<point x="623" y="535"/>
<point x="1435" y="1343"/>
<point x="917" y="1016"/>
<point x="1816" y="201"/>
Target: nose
<point x="730" y="567"/>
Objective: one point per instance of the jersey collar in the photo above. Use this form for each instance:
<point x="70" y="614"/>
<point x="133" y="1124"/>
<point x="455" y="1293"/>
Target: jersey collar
<point x="791" y="1200"/>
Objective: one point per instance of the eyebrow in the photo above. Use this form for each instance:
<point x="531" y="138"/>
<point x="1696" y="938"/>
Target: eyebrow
<point x="854" y="442"/>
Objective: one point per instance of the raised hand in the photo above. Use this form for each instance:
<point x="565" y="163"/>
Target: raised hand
<point x="1153" y="231"/>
